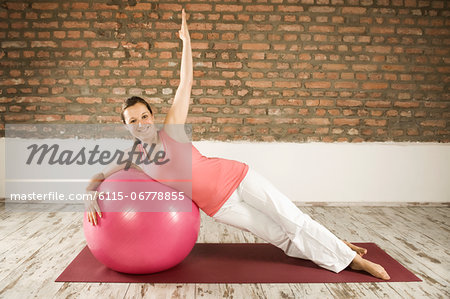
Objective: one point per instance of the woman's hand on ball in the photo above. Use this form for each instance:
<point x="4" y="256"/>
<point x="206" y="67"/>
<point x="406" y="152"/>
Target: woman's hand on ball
<point x="92" y="208"/>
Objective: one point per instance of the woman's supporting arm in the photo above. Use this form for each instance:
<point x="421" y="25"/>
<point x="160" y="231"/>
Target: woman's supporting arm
<point x="98" y="178"/>
<point x="91" y="206"/>
<point x="180" y="106"/>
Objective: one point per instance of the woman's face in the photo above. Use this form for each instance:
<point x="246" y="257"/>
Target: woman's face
<point x="140" y="122"/>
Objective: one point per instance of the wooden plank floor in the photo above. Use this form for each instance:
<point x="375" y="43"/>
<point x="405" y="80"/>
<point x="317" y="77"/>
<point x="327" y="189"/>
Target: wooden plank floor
<point x="35" y="247"/>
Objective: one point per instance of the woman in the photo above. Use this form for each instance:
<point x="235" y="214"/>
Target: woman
<point x="230" y="191"/>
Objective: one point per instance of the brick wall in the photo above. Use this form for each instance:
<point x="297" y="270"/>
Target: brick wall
<point x="264" y="70"/>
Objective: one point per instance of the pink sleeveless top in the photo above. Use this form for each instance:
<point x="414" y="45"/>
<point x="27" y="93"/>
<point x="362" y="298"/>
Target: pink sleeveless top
<point x="209" y="182"/>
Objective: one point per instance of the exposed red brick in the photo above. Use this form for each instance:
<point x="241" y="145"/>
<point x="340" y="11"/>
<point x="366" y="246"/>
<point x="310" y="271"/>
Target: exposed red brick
<point x="104" y="44"/>
<point x="88" y="100"/>
<point x="255" y="102"/>
<point x="229" y="65"/>
<point x="374" y="85"/>
<point x="228" y="8"/>
<point x="434" y="123"/>
<point x="80" y="5"/>
<point x="375" y="122"/>
<point x="257" y="121"/>
<point x="409" y="31"/>
<point x="354" y="10"/>
<point x="267" y="71"/>
<point x="74" y="44"/>
<point x="260" y="84"/>
<point x="322" y="28"/>
<point x="346" y="121"/>
<point x="229" y="120"/>
<point x="259" y="8"/>
<point x="166" y="45"/>
<point x="47" y="118"/>
<point x="406" y="104"/>
<point x="317" y="121"/>
<point x="351" y="85"/>
<point x="73" y="24"/>
<point x="322" y="9"/>
<point x="139" y="7"/>
<point x="349" y="103"/>
<point x="44" y="6"/>
<point x="290" y="8"/>
<point x="76" y="118"/>
<point x="379" y="49"/>
<point x="256" y="46"/>
<point x="212" y="101"/>
<point x="323" y="84"/>
<point x="382" y="30"/>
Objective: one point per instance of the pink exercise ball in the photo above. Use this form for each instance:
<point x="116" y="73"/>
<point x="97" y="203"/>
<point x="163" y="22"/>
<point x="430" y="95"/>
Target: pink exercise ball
<point x="136" y="242"/>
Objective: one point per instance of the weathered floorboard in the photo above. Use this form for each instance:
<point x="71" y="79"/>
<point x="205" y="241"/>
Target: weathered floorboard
<point x="35" y="247"/>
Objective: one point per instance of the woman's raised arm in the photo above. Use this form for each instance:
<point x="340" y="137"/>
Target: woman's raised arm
<point x="180" y="107"/>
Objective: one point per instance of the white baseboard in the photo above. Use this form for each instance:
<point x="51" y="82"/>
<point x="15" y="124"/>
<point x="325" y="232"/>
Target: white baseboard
<point x="328" y="173"/>
<point x="347" y="172"/>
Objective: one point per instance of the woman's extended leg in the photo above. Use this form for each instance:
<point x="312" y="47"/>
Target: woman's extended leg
<point x="376" y="270"/>
<point x="298" y="235"/>
<point x="313" y="240"/>
<point x="239" y="214"/>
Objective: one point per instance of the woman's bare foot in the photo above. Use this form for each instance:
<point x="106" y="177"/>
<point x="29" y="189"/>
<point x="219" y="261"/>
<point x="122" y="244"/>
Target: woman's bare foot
<point x="359" y="250"/>
<point x="376" y="270"/>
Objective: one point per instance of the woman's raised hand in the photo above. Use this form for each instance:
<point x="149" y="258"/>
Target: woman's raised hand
<point x="183" y="32"/>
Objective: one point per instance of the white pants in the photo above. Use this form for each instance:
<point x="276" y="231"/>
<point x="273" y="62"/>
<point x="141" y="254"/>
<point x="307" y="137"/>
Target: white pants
<point x="258" y="207"/>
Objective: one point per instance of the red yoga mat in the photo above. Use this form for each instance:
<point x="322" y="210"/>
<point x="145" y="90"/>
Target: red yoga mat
<point x="237" y="263"/>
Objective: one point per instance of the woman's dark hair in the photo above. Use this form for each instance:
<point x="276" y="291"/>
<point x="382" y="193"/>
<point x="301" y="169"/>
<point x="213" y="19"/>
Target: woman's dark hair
<point x="132" y="101"/>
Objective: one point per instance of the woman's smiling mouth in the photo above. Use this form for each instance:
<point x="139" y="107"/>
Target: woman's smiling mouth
<point x="143" y="129"/>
